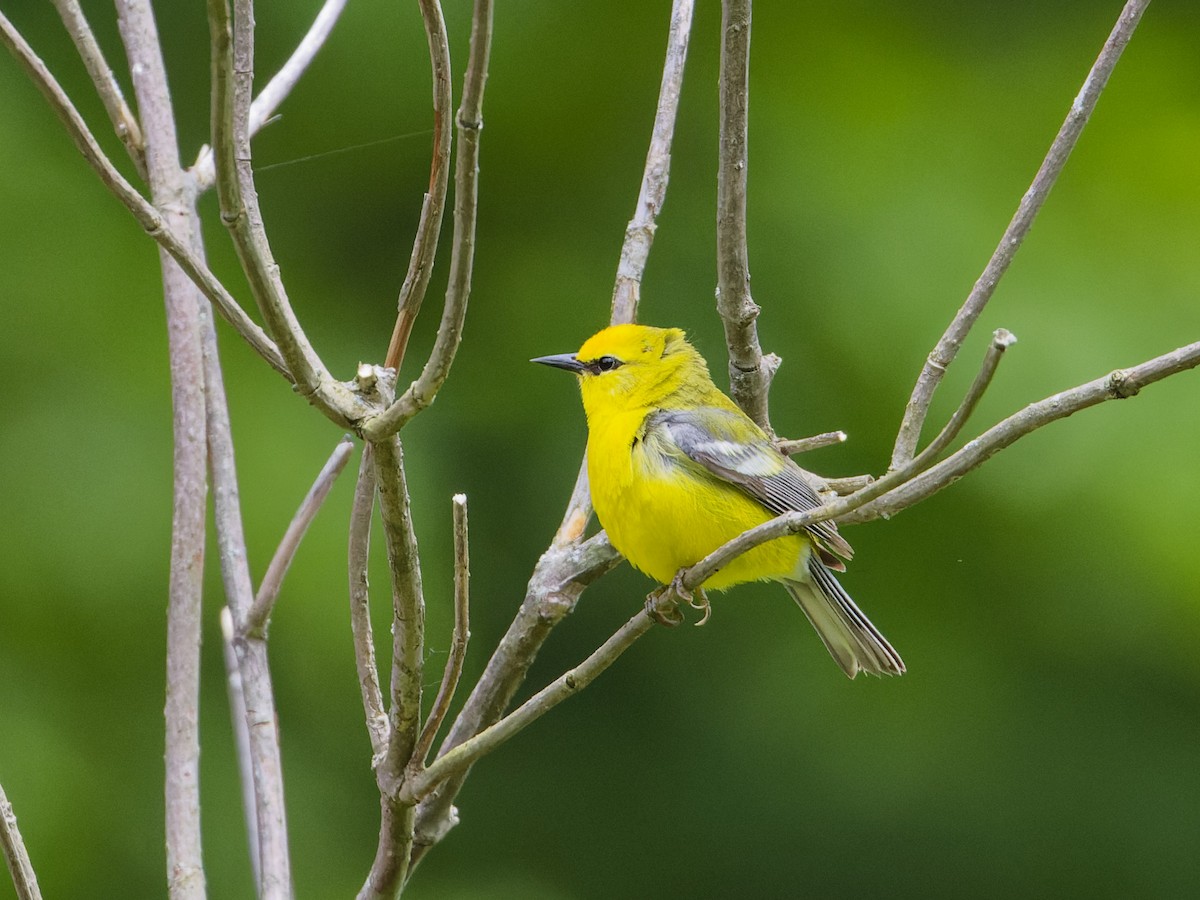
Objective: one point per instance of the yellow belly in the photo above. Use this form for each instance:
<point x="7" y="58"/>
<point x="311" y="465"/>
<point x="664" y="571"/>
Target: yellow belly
<point x="664" y="519"/>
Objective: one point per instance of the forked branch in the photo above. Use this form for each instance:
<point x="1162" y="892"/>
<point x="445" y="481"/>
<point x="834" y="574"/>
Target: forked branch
<point x="422" y="392"/>
<point x="1068" y="135"/>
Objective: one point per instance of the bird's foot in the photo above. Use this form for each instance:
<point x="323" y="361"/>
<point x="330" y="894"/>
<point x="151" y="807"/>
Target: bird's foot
<point x="662" y="605"/>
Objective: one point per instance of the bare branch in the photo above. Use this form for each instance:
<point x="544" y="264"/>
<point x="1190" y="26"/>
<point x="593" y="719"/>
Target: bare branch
<point x="429" y="226"/>
<point x="124" y="122"/>
<point x="185" y="315"/>
<point x="1068" y="135"/>
<point x="15" y="854"/>
<point x="232" y="75"/>
<point x="241" y="737"/>
<point x="360" y="609"/>
<point x="462" y="634"/>
<point x="804" y="445"/>
<point x="750" y="372"/>
<point x="256" y="619"/>
<point x="422" y="392"/>
<point x="147" y="216"/>
<point x="279" y="87"/>
<point x="567" y="685"/>
<point x="408" y="662"/>
<point x="1118" y="385"/>
<point x="639" y="234"/>
<point x="256" y="705"/>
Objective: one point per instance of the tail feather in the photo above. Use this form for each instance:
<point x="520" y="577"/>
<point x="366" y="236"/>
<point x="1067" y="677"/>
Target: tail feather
<point x="847" y="633"/>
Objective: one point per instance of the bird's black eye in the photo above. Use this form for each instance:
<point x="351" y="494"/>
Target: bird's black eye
<point x="604" y="364"/>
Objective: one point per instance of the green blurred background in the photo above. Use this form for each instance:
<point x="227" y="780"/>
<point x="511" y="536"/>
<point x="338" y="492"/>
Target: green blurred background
<point x="1046" y="741"/>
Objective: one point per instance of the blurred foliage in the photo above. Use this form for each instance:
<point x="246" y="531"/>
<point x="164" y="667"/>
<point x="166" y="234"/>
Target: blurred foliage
<point x="1046" y="741"/>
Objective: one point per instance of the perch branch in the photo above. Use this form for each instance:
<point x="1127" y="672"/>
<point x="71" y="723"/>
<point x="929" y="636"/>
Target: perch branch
<point x="257" y="707"/>
<point x="15" y="855"/>
<point x="124" y="122"/>
<point x="433" y="206"/>
<point x="279" y="87"/>
<point x="750" y="372"/>
<point x="458" y="645"/>
<point x="1056" y="158"/>
<point x="146" y="215"/>
<point x="791" y="523"/>
<point x="422" y="392"/>
<point x="360" y="609"/>
<point x="639" y="234"/>
<point x="264" y="601"/>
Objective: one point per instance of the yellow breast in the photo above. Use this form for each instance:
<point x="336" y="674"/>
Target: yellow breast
<point x="664" y="517"/>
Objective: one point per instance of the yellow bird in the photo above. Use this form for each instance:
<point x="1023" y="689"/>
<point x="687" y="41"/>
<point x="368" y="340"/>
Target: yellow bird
<point x="676" y="470"/>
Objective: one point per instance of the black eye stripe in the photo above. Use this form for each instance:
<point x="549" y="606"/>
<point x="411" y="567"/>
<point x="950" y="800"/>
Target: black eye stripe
<point x="603" y="364"/>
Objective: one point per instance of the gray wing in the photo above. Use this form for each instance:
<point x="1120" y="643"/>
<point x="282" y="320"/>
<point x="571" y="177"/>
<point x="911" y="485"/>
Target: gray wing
<point x="710" y="437"/>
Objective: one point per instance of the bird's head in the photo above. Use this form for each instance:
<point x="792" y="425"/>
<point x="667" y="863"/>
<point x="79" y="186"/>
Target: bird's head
<point x="627" y="367"/>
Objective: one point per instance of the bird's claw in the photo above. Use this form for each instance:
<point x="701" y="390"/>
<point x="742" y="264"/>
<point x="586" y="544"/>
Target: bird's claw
<point x="700" y="602"/>
<point x="663" y="608"/>
<point x="662" y="605"/>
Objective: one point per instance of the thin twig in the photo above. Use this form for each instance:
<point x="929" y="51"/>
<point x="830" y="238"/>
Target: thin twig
<point x="1068" y="135"/>
<point x="639" y="234"/>
<point x="263" y="762"/>
<point x="422" y="392"/>
<point x="15" y="855"/>
<point x="279" y="87"/>
<point x="360" y="608"/>
<point x="750" y="372"/>
<point x="462" y="634"/>
<point x="232" y="74"/>
<point x="433" y="206"/>
<point x="1118" y="385"/>
<point x="791" y="523"/>
<point x="185" y="315"/>
<point x="566" y="685"/>
<point x="804" y="445"/>
<point x="124" y="122"/>
<point x="241" y="737"/>
<point x="146" y="215"/>
<point x="256" y="619"/>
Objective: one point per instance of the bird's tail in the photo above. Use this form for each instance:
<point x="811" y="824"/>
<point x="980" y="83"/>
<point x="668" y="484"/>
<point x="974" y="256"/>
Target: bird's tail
<point x="849" y="636"/>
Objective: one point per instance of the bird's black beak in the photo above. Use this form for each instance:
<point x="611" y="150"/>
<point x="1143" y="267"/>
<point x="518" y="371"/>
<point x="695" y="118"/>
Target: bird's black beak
<point x="561" y="361"/>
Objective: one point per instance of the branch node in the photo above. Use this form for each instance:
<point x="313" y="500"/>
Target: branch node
<point x="1120" y="386"/>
